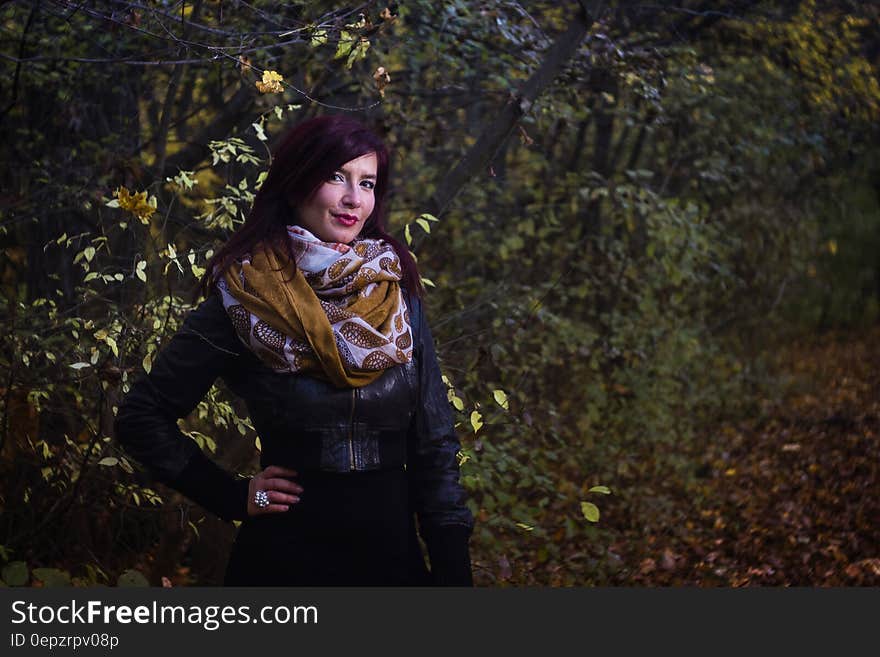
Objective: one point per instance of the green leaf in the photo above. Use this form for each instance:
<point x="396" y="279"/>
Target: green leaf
<point x="346" y="42"/>
<point x="501" y="399"/>
<point x="590" y="511"/>
<point x="600" y="489"/>
<point x="358" y="52"/>
<point x="52" y="577"/>
<point x="15" y="573"/>
<point x="261" y="134"/>
<point x="429" y="217"/>
<point x="130" y="578"/>
<point x="139" y="270"/>
<point x="424" y="224"/>
<point x="458" y="403"/>
<point x="79" y="366"/>
<point x="407" y="234"/>
<point x="108" y="460"/>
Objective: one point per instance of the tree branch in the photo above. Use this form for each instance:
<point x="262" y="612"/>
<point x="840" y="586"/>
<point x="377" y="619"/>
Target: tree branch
<point x="504" y="121"/>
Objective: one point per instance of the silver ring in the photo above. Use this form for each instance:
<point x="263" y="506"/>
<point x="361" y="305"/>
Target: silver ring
<point x="261" y="499"/>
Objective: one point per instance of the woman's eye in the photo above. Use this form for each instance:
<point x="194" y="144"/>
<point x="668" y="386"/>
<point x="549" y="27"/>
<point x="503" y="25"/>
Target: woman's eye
<point x="338" y="176"/>
<point x="369" y="184"/>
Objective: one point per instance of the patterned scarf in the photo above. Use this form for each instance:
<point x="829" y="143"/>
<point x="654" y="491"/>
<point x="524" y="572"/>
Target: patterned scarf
<point x="340" y="316"/>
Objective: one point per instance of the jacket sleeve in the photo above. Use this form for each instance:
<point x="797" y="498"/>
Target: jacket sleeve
<point x="146" y="422"/>
<point x="445" y="522"/>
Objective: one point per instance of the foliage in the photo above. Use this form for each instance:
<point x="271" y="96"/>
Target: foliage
<point x="693" y="185"/>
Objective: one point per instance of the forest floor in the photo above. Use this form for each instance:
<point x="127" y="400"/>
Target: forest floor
<point x="790" y="497"/>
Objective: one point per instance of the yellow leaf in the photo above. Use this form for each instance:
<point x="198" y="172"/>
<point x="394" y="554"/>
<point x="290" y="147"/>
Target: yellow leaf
<point x="476" y="420"/>
<point x="137" y="204"/>
<point x="319" y="38"/>
<point x="271" y="83"/>
<point x="501" y="399"/>
<point x="590" y="511"/>
<point x="458" y="403"/>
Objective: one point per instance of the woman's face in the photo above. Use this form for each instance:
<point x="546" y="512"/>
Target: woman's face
<point x="336" y="212"/>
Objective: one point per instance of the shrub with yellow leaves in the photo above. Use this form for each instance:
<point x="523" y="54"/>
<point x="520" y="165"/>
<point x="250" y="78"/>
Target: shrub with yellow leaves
<point x="271" y="83"/>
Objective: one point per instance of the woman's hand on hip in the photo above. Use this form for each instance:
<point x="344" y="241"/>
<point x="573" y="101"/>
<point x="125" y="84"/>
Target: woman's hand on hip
<point x="280" y="490"/>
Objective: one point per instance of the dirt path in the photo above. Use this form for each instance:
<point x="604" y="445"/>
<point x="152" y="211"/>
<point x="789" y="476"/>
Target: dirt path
<point x="792" y="499"/>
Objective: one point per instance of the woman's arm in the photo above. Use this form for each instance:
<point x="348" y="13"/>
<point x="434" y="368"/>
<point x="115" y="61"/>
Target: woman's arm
<point x="445" y="523"/>
<point x="146" y="422"/>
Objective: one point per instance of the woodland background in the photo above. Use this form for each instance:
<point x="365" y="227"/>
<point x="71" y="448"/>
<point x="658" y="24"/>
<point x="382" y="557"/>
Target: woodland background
<point x="650" y="233"/>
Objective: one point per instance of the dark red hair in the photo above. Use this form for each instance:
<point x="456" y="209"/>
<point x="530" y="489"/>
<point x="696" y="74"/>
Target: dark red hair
<point x="308" y="156"/>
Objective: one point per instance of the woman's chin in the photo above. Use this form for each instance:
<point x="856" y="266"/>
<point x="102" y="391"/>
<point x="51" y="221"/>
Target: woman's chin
<point x="343" y="236"/>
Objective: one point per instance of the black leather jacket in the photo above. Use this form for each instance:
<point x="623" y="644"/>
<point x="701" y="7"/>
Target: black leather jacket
<point x="402" y="418"/>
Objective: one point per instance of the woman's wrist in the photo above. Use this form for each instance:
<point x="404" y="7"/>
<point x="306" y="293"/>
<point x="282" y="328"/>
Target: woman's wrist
<point x="212" y="487"/>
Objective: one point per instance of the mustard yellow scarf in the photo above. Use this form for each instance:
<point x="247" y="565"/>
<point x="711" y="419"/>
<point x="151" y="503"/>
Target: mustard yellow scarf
<point x="340" y="316"/>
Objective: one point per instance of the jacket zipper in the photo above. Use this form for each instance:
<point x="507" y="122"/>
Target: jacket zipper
<point x="351" y="431"/>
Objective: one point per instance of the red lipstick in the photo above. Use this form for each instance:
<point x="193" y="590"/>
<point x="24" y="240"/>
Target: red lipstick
<point x="347" y="220"/>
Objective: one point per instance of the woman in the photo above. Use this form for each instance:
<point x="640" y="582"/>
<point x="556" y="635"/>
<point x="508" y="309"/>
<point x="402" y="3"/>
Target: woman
<point x="313" y="317"/>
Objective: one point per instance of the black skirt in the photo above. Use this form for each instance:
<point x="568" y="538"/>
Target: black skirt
<point x="347" y="530"/>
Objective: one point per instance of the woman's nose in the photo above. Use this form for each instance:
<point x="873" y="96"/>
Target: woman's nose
<point x="352" y="198"/>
